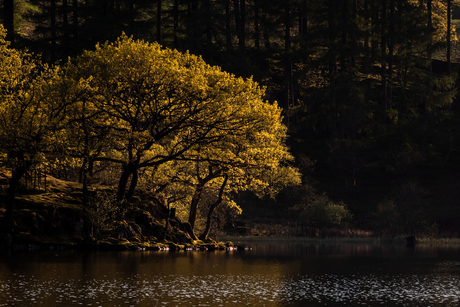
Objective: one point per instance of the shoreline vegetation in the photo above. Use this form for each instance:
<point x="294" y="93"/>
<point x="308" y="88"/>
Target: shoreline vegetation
<point x="52" y="218"/>
<point x="341" y="240"/>
<point x="336" y="132"/>
<point x="148" y="154"/>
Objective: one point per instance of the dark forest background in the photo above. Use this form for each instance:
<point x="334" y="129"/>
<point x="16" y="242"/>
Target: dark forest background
<point x="368" y="88"/>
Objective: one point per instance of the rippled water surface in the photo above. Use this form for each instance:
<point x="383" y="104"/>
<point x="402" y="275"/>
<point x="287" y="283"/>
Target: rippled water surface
<point x="272" y="274"/>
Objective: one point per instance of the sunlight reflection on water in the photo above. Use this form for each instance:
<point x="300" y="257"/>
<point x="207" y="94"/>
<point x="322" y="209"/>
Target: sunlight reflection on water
<point x="232" y="290"/>
<point x="298" y="275"/>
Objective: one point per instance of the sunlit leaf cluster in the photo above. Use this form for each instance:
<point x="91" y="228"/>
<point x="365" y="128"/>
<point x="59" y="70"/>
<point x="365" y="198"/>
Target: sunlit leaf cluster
<point x="166" y="120"/>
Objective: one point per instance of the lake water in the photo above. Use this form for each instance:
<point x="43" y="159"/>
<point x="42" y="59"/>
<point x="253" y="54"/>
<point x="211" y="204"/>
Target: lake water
<point x="271" y="274"/>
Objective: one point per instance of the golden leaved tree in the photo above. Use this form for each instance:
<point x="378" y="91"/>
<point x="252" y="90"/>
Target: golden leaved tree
<point x="32" y="111"/>
<point x="148" y="96"/>
<point x="162" y="106"/>
<point x="247" y="152"/>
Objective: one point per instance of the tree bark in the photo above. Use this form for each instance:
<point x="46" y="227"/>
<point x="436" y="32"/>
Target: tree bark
<point x="176" y="23"/>
<point x="133" y="185"/>
<point x="390" y="55"/>
<point x="383" y="49"/>
<point x="430" y="53"/>
<point x="194" y="203"/>
<point x="367" y="16"/>
<point x="159" y="25"/>
<point x="16" y="176"/>
<point x="449" y="21"/>
<point x="167" y="223"/>
<point x="430" y="26"/>
<point x="343" y="57"/>
<point x="228" y="28"/>
<point x="332" y="56"/>
<point x="53" y="30"/>
<point x="288" y="61"/>
<point x="198" y="191"/>
<point x="207" y="229"/>
<point x="123" y="183"/>
<point x="8" y="19"/>
<point x="75" y="22"/>
<point x="65" y="20"/>
<point x="208" y="30"/>
<point x="256" y="25"/>
<point x="242" y="29"/>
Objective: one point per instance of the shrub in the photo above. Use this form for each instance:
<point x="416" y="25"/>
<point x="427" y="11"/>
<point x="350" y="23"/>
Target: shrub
<point x="404" y="211"/>
<point x="324" y="213"/>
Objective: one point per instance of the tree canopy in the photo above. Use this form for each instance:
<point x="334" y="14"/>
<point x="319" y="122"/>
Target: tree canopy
<point x="149" y="110"/>
<point x="366" y="88"/>
<point x="32" y="112"/>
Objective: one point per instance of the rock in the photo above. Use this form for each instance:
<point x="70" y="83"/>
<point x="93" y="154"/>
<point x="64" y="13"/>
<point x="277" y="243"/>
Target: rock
<point x="126" y="231"/>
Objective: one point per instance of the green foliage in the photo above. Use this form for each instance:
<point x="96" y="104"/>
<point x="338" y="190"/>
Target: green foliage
<point x="388" y="221"/>
<point x="325" y="213"/>
<point x="405" y="212"/>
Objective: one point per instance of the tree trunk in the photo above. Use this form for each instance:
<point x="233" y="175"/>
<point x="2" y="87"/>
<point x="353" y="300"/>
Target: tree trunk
<point x="198" y="191"/>
<point x="266" y="31"/>
<point x="303" y="19"/>
<point x="236" y="9"/>
<point x="430" y="53"/>
<point x="53" y="30"/>
<point x="207" y="229"/>
<point x="449" y="64"/>
<point x="367" y="16"/>
<point x="242" y="29"/>
<point x="65" y="20"/>
<point x="430" y="26"/>
<point x="159" y="37"/>
<point x="383" y="49"/>
<point x="123" y="183"/>
<point x="133" y="185"/>
<point x="256" y="25"/>
<point x="332" y="56"/>
<point x="374" y="16"/>
<point x="208" y="51"/>
<point x="8" y="19"/>
<point x="390" y="56"/>
<point x="167" y="223"/>
<point x="16" y="176"/>
<point x="194" y="204"/>
<point x="449" y="21"/>
<point x="343" y="57"/>
<point x="228" y="28"/>
<point x="288" y="61"/>
<point x="75" y="23"/>
<point x="176" y="23"/>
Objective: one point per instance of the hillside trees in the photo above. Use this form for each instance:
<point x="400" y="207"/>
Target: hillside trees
<point x="371" y="94"/>
<point x="354" y="78"/>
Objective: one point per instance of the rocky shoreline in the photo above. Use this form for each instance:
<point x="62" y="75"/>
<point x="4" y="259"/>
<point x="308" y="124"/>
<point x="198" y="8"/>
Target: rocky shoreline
<point x="208" y="245"/>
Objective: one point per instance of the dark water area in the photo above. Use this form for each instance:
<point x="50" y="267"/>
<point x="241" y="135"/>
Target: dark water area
<point x="281" y="273"/>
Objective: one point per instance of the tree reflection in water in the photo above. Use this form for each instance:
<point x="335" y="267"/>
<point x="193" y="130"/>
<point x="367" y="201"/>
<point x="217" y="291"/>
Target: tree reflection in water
<point x="272" y="274"/>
